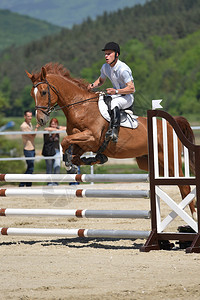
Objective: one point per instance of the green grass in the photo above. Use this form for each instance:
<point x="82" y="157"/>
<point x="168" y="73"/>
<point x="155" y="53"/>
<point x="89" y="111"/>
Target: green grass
<point x="112" y="169"/>
<point x="98" y="169"/>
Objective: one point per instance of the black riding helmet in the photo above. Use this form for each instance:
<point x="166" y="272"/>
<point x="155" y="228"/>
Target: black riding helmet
<point x="112" y="46"/>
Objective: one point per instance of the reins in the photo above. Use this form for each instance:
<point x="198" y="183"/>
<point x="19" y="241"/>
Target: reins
<point x="78" y="102"/>
<point x="47" y="110"/>
<point x="50" y="108"/>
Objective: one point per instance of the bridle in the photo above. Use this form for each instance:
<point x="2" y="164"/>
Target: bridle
<point x="48" y="109"/>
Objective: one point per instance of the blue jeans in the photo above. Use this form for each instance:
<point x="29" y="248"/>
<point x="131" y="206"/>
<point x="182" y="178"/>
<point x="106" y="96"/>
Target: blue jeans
<point x="53" y="165"/>
<point x="30" y="166"/>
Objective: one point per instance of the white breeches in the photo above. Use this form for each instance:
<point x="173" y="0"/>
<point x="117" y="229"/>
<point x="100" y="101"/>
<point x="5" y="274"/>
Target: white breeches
<point x="122" y="102"/>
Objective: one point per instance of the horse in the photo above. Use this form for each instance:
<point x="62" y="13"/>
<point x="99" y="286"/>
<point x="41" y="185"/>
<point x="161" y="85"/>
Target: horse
<point x="86" y="128"/>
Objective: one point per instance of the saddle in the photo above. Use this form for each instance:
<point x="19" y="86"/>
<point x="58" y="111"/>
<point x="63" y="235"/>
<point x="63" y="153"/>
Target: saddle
<point x="124" y="114"/>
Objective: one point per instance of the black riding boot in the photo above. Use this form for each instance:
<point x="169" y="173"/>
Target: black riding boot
<point x="112" y="133"/>
<point x="115" y="123"/>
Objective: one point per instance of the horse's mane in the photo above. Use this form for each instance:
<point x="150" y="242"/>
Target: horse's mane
<point x="58" y="69"/>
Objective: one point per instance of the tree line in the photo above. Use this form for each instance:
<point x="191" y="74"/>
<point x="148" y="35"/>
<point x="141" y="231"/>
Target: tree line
<point x="159" y="41"/>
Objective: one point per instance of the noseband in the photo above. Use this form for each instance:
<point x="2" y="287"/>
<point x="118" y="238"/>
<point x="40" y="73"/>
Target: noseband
<point x="47" y="109"/>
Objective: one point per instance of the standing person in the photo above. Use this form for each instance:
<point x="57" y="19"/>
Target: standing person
<point x="28" y="142"/>
<point x="51" y="147"/>
<point x="123" y="88"/>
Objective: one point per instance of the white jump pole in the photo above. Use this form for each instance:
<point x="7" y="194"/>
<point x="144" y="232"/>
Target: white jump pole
<point x="79" y="213"/>
<point x="74" y="177"/>
<point x="71" y="233"/>
<point x="52" y="192"/>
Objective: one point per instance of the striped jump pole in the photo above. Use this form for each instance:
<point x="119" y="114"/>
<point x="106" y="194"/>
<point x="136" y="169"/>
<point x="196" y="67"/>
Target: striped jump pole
<point x="100" y="193"/>
<point x="74" y="177"/>
<point x="74" y="193"/>
<point x="79" y="213"/>
<point x="72" y="233"/>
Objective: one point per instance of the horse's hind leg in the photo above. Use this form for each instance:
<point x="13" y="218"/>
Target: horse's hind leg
<point x="184" y="189"/>
<point x="142" y="162"/>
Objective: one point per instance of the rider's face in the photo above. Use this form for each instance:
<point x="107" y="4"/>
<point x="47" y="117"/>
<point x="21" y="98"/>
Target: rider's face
<point x="109" y="56"/>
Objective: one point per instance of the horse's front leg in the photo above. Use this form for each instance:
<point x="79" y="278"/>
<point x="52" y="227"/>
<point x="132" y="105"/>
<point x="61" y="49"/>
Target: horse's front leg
<point x="67" y="158"/>
<point x="72" y="151"/>
<point x="83" y="142"/>
<point x="81" y="138"/>
<point x="72" y="156"/>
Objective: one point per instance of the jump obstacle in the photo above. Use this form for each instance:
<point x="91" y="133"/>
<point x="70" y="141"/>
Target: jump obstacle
<point x="156" y="235"/>
<point x="158" y="225"/>
<point x="130" y="214"/>
<point x="74" y="178"/>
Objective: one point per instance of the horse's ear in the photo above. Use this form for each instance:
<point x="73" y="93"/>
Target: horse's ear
<point x="30" y="76"/>
<point x="43" y="73"/>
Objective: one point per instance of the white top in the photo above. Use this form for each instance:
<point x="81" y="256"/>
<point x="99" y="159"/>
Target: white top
<point x="119" y="75"/>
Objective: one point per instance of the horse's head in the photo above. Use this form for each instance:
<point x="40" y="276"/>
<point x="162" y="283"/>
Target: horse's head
<point x="44" y="94"/>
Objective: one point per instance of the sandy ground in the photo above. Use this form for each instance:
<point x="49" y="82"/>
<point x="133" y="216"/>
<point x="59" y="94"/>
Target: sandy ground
<point x="61" y="268"/>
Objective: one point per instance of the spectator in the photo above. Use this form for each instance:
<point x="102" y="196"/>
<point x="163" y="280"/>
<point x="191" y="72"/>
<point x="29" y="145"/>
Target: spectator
<point x="28" y="142"/>
<point x="51" y="147"/>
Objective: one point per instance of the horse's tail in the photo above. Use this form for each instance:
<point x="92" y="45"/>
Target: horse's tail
<point x="188" y="132"/>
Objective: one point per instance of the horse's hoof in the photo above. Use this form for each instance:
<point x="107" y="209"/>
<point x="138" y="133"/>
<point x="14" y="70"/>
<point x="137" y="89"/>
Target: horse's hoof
<point x="72" y="169"/>
<point x="186" y="228"/>
<point x="166" y="245"/>
<point x="101" y="158"/>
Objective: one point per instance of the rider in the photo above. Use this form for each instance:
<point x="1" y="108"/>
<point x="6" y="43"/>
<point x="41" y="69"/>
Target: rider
<point x="123" y="88"/>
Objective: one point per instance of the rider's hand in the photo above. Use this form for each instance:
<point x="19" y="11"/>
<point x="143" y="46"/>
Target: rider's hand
<point x="111" y="91"/>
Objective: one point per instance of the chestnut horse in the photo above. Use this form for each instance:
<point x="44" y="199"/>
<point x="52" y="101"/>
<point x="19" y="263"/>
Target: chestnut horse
<point x="86" y="128"/>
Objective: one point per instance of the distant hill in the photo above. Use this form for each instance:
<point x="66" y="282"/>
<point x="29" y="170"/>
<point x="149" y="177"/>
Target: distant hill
<point x="66" y="13"/>
<point x="19" y="30"/>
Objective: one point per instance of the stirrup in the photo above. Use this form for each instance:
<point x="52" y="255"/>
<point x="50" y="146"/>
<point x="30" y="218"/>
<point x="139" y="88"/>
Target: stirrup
<point x="114" y="136"/>
<point x="108" y="135"/>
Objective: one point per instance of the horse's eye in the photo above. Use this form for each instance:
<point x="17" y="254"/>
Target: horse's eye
<point x="44" y="93"/>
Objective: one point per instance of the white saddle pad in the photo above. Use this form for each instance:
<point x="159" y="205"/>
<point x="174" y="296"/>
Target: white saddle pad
<point x="131" y="121"/>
